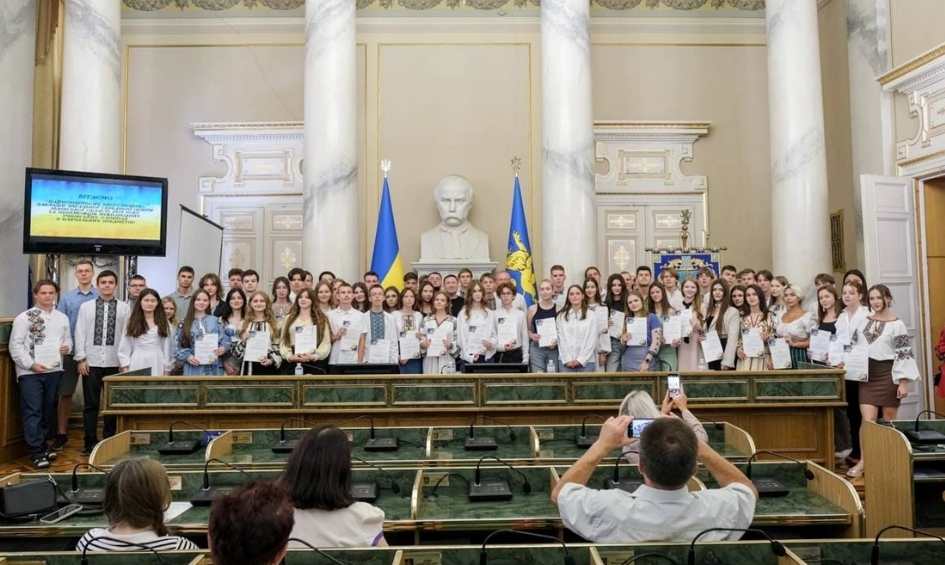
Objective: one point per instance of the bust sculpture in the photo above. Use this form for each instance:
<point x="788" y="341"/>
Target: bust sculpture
<point x="454" y="238"/>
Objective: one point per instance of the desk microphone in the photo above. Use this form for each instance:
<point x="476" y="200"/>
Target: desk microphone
<point x="331" y="558"/>
<point x="583" y="440"/>
<point x="368" y="491"/>
<point x="925" y="436"/>
<point x="206" y="494"/>
<point x="484" y="556"/>
<point x="768" y="486"/>
<point x="874" y="554"/>
<point x="181" y="446"/>
<point x="482" y="443"/>
<point x="650" y="555"/>
<point x="628" y="485"/>
<point x="776" y="547"/>
<point x="120" y="542"/>
<point x="284" y="445"/>
<point x="495" y="490"/>
<point x="378" y="443"/>
<point x="86" y="496"/>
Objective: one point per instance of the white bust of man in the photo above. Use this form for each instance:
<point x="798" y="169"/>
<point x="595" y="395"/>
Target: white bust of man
<point x="455" y="238"/>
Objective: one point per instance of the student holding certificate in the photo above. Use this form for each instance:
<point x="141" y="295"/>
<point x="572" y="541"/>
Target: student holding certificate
<point x="476" y="327"/>
<point x="542" y="352"/>
<point x="410" y="331"/>
<point x="39" y="339"/>
<point x="723" y="322"/>
<point x="258" y="345"/>
<point x="850" y="324"/>
<point x="232" y="313"/>
<point x="441" y="340"/>
<point x="828" y="309"/>
<point x="146" y="339"/>
<point x="672" y="328"/>
<point x="756" y="330"/>
<point x="641" y="337"/>
<point x="616" y="306"/>
<point x="511" y="332"/>
<point x="796" y="325"/>
<point x="578" y="334"/>
<point x="382" y="345"/>
<point x="306" y="336"/>
<point x="690" y="317"/>
<point x="200" y="339"/>
<point x="348" y="328"/>
<point x="891" y="365"/>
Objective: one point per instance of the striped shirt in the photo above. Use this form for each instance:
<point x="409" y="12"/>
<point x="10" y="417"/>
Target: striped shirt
<point x="113" y="542"/>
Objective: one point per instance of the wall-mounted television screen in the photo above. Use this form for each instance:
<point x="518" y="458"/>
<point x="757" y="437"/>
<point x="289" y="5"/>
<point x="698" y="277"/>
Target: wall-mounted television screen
<point x="94" y="213"/>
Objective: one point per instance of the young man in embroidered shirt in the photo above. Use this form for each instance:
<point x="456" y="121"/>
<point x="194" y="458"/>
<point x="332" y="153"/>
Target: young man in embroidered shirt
<point x="100" y="326"/>
<point x="69" y="304"/>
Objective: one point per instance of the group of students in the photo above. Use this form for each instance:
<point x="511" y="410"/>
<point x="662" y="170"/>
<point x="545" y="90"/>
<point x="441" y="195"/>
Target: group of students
<point x="310" y="503"/>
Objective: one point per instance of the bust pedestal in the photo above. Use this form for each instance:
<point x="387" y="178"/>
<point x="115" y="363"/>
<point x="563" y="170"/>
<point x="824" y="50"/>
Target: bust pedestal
<point x="446" y="266"/>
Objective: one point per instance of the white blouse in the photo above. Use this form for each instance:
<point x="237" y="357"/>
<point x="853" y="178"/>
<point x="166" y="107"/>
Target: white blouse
<point x="359" y="525"/>
<point x="147" y="351"/>
<point x="602" y="315"/>
<point x="577" y="338"/>
<point x="478" y="323"/>
<point x="849" y="327"/>
<point x="799" y="329"/>
<point x="515" y="317"/>
<point x="891" y="341"/>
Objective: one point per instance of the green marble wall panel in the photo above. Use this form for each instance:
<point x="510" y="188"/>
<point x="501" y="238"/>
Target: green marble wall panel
<point x="251" y="395"/>
<point x="461" y="393"/>
<point x="609" y="391"/>
<point x="258" y="451"/>
<point x="903" y="551"/>
<point x="448" y="443"/>
<point x="450" y="503"/>
<point x="497" y="555"/>
<point x="796" y="389"/>
<point x="344" y="394"/>
<point x="716" y="390"/>
<point x="525" y="393"/>
<point x="745" y="553"/>
<point x="379" y="556"/>
<point x="177" y="394"/>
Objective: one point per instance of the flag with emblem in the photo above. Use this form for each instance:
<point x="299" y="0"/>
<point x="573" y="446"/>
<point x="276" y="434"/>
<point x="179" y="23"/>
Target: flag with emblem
<point x="385" y="261"/>
<point x="518" y="258"/>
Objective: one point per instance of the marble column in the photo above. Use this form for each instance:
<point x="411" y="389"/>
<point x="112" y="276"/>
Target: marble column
<point x="90" y="130"/>
<point x="569" y="226"/>
<point x="800" y="232"/>
<point x="17" y="49"/>
<point x="332" y="224"/>
<point x="868" y="57"/>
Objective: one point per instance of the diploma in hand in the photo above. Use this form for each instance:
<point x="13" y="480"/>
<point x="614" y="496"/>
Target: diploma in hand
<point x="819" y="345"/>
<point x="752" y="344"/>
<point x="780" y="354"/>
<point x="672" y="330"/>
<point x="257" y="346"/>
<point x="47" y="354"/>
<point x="437" y="347"/>
<point x="636" y="328"/>
<point x="506" y="330"/>
<point x="712" y="347"/>
<point x="379" y="352"/>
<point x="409" y="346"/>
<point x="616" y="324"/>
<point x="304" y="340"/>
<point x="547" y="332"/>
<point x="205" y="348"/>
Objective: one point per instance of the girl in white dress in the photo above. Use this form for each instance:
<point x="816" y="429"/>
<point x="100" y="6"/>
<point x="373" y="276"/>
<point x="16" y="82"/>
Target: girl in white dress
<point x="440" y="322"/>
<point x="476" y="325"/>
<point x="595" y="303"/>
<point x="146" y="340"/>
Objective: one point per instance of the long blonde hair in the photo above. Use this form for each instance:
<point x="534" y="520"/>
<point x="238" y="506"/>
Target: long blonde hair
<point x="639" y="404"/>
<point x="269" y="316"/>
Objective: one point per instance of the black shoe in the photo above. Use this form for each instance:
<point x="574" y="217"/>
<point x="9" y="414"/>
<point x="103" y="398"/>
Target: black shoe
<point x="59" y="442"/>
<point x="40" y="461"/>
<point x="51" y="455"/>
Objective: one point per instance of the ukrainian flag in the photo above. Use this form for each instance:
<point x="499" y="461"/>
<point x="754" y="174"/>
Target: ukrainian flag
<point x="386" y="258"/>
<point x="518" y="259"/>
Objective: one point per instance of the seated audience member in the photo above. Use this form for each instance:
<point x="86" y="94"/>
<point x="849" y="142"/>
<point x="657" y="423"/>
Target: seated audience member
<point x="663" y="508"/>
<point x="250" y="526"/>
<point x="639" y="404"/>
<point x="137" y="493"/>
<point x="318" y="480"/>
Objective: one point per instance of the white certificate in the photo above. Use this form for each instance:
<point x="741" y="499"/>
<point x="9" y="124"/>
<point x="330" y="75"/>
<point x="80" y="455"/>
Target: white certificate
<point x="602" y="314"/>
<point x="506" y="331"/>
<point x="752" y="344"/>
<point x="685" y="320"/>
<point x="712" y="347"/>
<point x="843" y="336"/>
<point x="409" y="346"/>
<point x="379" y="352"/>
<point x="352" y="337"/>
<point x="257" y="346"/>
<point x="636" y="330"/>
<point x="835" y="353"/>
<point x="473" y="345"/>
<point x="47" y="354"/>
<point x="437" y="347"/>
<point x="819" y="346"/>
<point x="304" y="339"/>
<point x="855" y="361"/>
<point x="780" y="354"/>
<point x="672" y="330"/>
<point x="205" y="348"/>
<point x="547" y="332"/>
<point x="615" y="327"/>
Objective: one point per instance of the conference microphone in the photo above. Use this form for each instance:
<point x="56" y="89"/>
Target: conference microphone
<point x="652" y="555"/>
<point x="628" y="485"/>
<point x="181" y="446"/>
<point x="776" y="547"/>
<point x="120" y="542"/>
<point x="368" y="491"/>
<point x="484" y="556"/>
<point x="768" y="486"/>
<point x="925" y="436"/>
<point x="375" y="443"/>
<point x="481" y="443"/>
<point x="284" y="445"/>
<point x="874" y="554"/>
<point x="86" y="496"/>
<point x="494" y="490"/>
<point x="331" y="558"/>
<point x="583" y="440"/>
<point x="206" y="494"/>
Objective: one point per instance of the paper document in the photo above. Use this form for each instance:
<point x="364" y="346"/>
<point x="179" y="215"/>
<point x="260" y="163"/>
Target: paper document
<point x="780" y="354"/>
<point x="712" y="347"/>
<point x="547" y="332"/>
<point x="257" y="346"/>
<point x="636" y="330"/>
<point x="205" y="348"/>
<point x="752" y="344"/>
<point x="47" y="354"/>
<point x="304" y="339"/>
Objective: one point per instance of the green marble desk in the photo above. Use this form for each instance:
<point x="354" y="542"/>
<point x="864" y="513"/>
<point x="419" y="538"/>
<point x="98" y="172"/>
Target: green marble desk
<point x="516" y="444"/>
<point x="919" y="551"/>
<point x="145" y="443"/>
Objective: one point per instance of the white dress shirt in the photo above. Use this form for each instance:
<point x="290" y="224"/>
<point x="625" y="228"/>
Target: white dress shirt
<point x="577" y="338"/>
<point x="35" y="326"/>
<point x="103" y="354"/>
<point x="649" y="514"/>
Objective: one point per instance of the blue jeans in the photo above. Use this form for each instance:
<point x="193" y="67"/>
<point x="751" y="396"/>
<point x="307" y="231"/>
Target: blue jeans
<point x="412" y="367"/>
<point x="589" y="368"/>
<point x="538" y="358"/>
<point x="39" y="398"/>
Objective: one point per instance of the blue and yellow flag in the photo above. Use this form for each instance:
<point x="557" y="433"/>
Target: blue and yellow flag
<point x="518" y="259"/>
<point x="386" y="258"/>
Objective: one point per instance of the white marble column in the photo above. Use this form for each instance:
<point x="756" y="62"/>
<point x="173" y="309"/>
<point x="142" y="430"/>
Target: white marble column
<point x="332" y="228"/>
<point x="569" y="227"/>
<point x="90" y="130"/>
<point x="799" y="208"/>
<point x="17" y="48"/>
<point x="868" y="58"/>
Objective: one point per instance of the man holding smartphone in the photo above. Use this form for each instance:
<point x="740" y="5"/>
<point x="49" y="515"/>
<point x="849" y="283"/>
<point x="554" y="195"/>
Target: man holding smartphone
<point x="662" y="509"/>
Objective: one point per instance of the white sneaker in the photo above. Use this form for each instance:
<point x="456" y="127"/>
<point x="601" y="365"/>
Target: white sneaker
<point x="856" y="471"/>
<point x="843" y="454"/>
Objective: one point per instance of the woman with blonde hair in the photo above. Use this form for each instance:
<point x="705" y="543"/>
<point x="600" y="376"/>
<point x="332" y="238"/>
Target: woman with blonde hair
<point x="639" y="404"/>
<point x="137" y="494"/>
<point x="795" y="325"/>
<point x="260" y="320"/>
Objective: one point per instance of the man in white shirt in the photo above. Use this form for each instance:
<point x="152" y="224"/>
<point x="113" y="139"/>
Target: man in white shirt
<point x="98" y="332"/>
<point x="348" y="330"/>
<point x="39" y="340"/>
<point x="662" y="509"/>
<point x="558" y="278"/>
